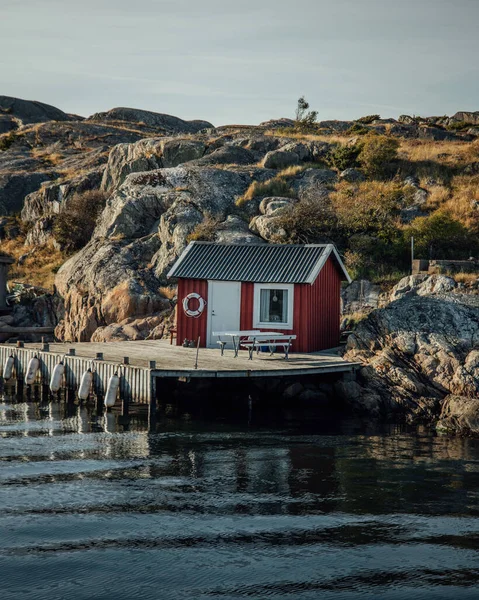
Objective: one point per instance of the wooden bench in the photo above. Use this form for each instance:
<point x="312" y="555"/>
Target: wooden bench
<point x="173" y="331"/>
<point x="222" y="344"/>
<point x="253" y="343"/>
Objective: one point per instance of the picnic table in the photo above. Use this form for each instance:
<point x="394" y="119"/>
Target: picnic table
<point x="254" y="340"/>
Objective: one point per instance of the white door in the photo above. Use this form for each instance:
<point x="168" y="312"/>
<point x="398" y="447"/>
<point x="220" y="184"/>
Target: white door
<point x="224" y="298"/>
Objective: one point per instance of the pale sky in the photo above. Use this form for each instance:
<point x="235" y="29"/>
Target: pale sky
<point x="243" y="61"/>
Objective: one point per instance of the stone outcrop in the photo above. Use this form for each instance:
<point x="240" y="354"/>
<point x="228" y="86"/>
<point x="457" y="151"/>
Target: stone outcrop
<point x="31" y="111"/>
<point x="39" y="207"/>
<point x="420" y="348"/>
<point x="157" y="121"/>
<point x="107" y="282"/>
<point x="142" y="230"/>
<point x="151" y="327"/>
<point x="459" y="414"/>
<point x="15" y="186"/>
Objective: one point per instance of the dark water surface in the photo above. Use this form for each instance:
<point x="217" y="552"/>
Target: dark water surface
<point x="229" y="510"/>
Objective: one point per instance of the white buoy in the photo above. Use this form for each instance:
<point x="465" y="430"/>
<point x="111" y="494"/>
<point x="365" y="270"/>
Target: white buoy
<point x="8" y="367"/>
<point x="112" y="390"/>
<point x="57" y="377"/>
<point x="85" y="385"/>
<point x="32" y="370"/>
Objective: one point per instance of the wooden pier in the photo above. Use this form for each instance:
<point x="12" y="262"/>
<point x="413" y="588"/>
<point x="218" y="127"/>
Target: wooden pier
<point x="142" y="364"/>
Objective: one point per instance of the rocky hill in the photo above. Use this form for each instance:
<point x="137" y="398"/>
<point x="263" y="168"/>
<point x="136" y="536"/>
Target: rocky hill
<point x="103" y="205"/>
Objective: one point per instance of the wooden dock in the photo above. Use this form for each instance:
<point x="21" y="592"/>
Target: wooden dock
<point x="141" y="364"/>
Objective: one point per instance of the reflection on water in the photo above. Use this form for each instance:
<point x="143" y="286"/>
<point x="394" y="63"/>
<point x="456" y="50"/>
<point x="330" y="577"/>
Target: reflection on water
<point x="190" y="509"/>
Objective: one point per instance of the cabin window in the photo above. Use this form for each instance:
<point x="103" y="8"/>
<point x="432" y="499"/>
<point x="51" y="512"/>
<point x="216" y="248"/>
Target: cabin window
<point x="273" y="306"/>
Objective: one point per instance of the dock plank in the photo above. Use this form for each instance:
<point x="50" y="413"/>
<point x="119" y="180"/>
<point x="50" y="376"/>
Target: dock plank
<point x="176" y="361"/>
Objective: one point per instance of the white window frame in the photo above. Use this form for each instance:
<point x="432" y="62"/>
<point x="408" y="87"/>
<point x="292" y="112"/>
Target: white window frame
<point x="257" y="324"/>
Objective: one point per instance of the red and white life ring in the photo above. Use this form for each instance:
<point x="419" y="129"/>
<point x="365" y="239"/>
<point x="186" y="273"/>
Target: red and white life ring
<point x="186" y="305"/>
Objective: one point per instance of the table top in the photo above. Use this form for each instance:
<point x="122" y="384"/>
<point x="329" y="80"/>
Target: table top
<point x="254" y="333"/>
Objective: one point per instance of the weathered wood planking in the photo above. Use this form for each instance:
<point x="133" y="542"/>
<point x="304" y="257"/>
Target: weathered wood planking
<point x="138" y="381"/>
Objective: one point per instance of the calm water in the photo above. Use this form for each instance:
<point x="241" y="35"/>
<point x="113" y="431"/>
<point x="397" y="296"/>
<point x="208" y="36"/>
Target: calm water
<point x="204" y="509"/>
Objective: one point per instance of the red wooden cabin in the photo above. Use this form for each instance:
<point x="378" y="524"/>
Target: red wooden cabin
<point x="291" y="289"/>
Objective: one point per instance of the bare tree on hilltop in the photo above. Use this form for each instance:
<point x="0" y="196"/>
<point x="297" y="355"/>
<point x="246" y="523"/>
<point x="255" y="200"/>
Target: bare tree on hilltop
<point x="305" y="119"/>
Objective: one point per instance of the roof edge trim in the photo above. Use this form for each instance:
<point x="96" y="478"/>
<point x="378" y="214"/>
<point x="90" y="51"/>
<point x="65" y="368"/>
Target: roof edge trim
<point x="330" y="249"/>
<point x="179" y="260"/>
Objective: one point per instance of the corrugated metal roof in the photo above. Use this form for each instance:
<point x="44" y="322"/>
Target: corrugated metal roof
<point x="265" y="263"/>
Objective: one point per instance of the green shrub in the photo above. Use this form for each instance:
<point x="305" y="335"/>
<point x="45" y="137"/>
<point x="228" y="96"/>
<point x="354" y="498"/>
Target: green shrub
<point x="277" y="186"/>
<point x="344" y="157"/>
<point x="368" y="207"/>
<point x="441" y="236"/>
<point x="458" y="126"/>
<point x="377" y="153"/>
<point x="358" y="129"/>
<point x="74" y="226"/>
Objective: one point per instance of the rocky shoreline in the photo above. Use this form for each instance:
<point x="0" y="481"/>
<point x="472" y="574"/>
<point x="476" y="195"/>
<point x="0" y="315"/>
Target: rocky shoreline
<point x="420" y="356"/>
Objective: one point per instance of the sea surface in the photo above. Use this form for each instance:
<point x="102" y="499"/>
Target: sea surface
<point x="243" y="506"/>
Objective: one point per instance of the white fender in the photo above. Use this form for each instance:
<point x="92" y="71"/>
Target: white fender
<point x="85" y="385"/>
<point x="57" y="377"/>
<point x="8" y="367"/>
<point x="112" y="390"/>
<point x="32" y="370"/>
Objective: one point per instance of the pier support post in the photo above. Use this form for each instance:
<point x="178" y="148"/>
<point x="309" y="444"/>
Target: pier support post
<point x="19" y="387"/>
<point x="152" y="404"/>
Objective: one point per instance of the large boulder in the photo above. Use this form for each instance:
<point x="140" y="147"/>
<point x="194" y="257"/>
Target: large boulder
<point x="15" y="186"/>
<point x="227" y="155"/>
<point x="49" y="199"/>
<point x="158" y="121"/>
<point x="7" y="123"/>
<point x="147" y="155"/>
<point x="280" y="159"/>
<point x="106" y="282"/>
<point x="360" y="296"/>
<point x="178" y="151"/>
<point x="352" y="175"/>
<point x="466" y="117"/>
<point x="422" y="285"/>
<point x="269" y="228"/>
<point x="31" y="111"/>
<point x="420" y="348"/>
<point x="314" y="184"/>
<point x="459" y="414"/>
<point x="151" y="327"/>
<point x="234" y="230"/>
<point x="124" y="159"/>
<point x="277" y="123"/>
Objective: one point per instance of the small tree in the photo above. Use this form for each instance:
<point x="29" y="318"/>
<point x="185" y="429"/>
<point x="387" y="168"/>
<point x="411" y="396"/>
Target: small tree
<point x="305" y="119"/>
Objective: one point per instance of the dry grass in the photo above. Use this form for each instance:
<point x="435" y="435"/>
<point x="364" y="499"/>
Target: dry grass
<point x="438" y="195"/>
<point x="40" y="266"/>
<point x="277" y="186"/>
<point x="204" y="231"/>
<point x="310" y="137"/>
<point x="463" y="201"/>
<point x="466" y="277"/>
<point x="168" y="291"/>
